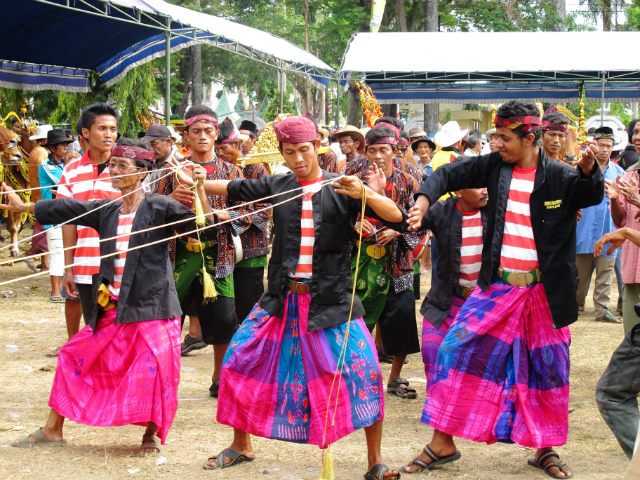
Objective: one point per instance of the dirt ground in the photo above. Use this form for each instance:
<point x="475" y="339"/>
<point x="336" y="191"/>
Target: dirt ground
<point x="31" y="326"/>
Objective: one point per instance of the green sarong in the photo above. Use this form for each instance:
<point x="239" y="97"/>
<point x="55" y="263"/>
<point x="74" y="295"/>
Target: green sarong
<point x="254" y="262"/>
<point x="189" y="267"/>
<point x="372" y="285"/>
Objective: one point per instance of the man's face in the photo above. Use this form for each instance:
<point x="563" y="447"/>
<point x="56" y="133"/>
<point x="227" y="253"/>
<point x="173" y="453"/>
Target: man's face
<point x="348" y="145"/>
<point x="248" y="144"/>
<point x="103" y="133"/>
<point x="511" y="146"/>
<point x="474" y="197"/>
<point x="201" y="137"/>
<point x="161" y="148"/>
<point x="424" y="150"/>
<point x="302" y="159"/>
<point x="58" y="151"/>
<point x="229" y="152"/>
<point x="605" y="147"/>
<point x="635" y="138"/>
<point x="493" y="143"/>
<point x="382" y="155"/>
<point x="553" y="141"/>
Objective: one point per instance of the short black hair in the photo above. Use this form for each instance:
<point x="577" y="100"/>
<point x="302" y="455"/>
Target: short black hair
<point x="199" y="110"/>
<point x="377" y="133"/>
<point x="517" y="108"/>
<point x="392" y="120"/>
<point x="631" y="128"/>
<point x="79" y="127"/>
<point x="89" y="114"/>
<point x="225" y="129"/>
<point x="557" y="118"/>
<point x="403" y="134"/>
<point x="249" y="126"/>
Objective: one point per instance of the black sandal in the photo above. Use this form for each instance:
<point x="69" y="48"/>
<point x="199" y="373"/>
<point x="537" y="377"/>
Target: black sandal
<point x="377" y="472"/>
<point x="435" y="460"/>
<point x="221" y="459"/>
<point x="539" y="463"/>
<point x="400" y="388"/>
<point x="214" y="389"/>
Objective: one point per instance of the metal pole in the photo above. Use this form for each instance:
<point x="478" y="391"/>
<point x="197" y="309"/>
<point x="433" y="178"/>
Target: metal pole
<point x="167" y="95"/>
<point x="602" y="102"/>
<point x="337" y="114"/>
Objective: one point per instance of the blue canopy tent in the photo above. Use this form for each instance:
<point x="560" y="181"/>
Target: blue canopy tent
<point x="62" y="44"/>
<point x="492" y="67"/>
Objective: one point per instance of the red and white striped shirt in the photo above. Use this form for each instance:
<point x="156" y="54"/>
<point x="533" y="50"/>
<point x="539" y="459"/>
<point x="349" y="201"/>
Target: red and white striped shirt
<point x="471" y="250"/>
<point x="307" y="234"/>
<point x="123" y="233"/>
<point x="519" y="252"/>
<point x="92" y="186"/>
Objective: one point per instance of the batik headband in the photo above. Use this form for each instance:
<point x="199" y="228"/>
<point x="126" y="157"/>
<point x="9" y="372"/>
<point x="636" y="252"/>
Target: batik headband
<point x="555" y="127"/>
<point x="136" y="153"/>
<point x="391" y="127"/>
<point x="382" y="141"/>
<point x="204" y="118"/>
<point x="233" y="135"/>
<point x="526" y="123"/>
<point x="403" y="142"/>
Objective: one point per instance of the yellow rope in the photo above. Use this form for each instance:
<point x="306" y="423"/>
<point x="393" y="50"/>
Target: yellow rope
<point x="327" y="460"/>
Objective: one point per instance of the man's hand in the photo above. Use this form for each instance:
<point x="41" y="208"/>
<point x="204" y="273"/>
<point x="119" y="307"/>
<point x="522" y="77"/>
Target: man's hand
<point x="14" y="202"/>
<point x="70" y="283"/>
<point x="629" y="190"/>
<point x="611" y="189"/>
<point x="385" y="236"/>
<point x="417" y="212"/>
<point x="587" y="158"/>
<point x="615" y="238"/>
<point x="183" y="170"/>
<point x="349" y="185"/>
<point x="367" y="227"/>
<point x="183" y="195"/>
<point x="376" y="179"/>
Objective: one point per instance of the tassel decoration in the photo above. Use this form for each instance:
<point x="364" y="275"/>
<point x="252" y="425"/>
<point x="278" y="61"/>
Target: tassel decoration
<point x="209" y="291"/>
<point x="327" y="466"/>
<point x="199" y="212"/>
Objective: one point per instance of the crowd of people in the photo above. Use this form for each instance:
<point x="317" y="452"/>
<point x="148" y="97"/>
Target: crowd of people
<point x="146" y="233"/>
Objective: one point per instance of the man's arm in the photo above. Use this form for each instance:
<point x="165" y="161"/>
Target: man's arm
<point x="383" y="207"/>
<point x="616" y="239"/>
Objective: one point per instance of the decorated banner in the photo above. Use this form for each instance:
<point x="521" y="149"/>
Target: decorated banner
<point x="377" y="10"/>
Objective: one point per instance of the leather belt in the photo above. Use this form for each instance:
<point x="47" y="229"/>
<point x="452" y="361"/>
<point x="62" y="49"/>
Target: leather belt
<point x="373" y="250"/>
<point x="197" y="247"/>
<point x="298" y="287"/>
<point x="519" y="279"/>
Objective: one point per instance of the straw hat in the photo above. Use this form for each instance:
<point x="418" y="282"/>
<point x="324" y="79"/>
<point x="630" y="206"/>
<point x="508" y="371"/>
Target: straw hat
<point x="351" y="131"/>
<point x="450" y="134"/>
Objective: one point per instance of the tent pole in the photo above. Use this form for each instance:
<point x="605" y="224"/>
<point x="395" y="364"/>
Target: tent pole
<point x="167" y="95"/>
<point x="602" y="102"/>
<point x="337" y="114"/>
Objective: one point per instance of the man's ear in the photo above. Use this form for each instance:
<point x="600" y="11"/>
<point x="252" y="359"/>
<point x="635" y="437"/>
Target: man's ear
<point x="316" y="144"/>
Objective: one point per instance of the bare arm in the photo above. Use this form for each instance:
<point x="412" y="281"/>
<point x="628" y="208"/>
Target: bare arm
<point x="384" y="207"/>
<point x="616" y="239"/>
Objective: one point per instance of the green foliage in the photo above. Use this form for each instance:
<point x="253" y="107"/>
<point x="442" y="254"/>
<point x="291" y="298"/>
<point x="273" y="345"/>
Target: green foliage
<point x="273" y="106"/>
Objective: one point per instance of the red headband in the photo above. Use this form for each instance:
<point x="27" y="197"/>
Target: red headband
<point x="295" y="129"/>
<point x="204" y="118"/>
<point x="383" y="141"/>
<point x="132" y="152"/>
<point x="391" y="127"/>
<point x="526" y="124"/>
<point x="233" y="136"/>
<point x="403" y="141"/>
<point x="556" y="127"/>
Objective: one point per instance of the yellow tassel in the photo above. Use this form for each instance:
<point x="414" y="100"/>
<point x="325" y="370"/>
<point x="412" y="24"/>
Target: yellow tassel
<point x="199" y="212"/>
<point x="208" y="287"/>
<point x="327" y="466"/>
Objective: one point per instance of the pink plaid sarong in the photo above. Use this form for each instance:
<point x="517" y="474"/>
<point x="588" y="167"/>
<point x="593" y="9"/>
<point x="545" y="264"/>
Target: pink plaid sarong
<point x="123" y="374"/>
<point x="502" y="371"/>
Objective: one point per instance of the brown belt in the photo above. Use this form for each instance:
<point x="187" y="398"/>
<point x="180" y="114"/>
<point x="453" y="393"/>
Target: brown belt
<point x="519" y="279"/>
<point x="463" y="292"/>
<point x="298" y="287"/>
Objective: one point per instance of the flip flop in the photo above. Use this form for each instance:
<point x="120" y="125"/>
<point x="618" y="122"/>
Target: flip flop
<point x="435" y="460"/>
<point x="377" y="472"/>
<point x="40" y="441"/>
<point x="221" y="459"/>
<point x="545" y="467"/>
<point x="400" y="388"/>
<point x="148" y="441"/>
<point x="53" y="353"/>
<point x="56" y="299"/>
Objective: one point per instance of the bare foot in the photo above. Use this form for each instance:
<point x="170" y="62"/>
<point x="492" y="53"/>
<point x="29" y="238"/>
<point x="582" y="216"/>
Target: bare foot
<point x="149" y="445"/>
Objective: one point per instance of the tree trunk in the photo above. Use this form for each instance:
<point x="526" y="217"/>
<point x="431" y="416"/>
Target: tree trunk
<point x="354" y="116"/>
<point x="606" y="15"/>
<point x="431" y="111"/>
<point x="402" y="17"/>
<point x="196" y="73"/>
<point x="560" y="9"/>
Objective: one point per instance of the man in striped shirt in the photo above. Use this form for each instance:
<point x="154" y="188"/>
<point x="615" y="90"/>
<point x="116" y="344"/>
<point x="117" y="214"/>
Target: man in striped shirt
<point x="86" y="178"/>
<point x="496" y="382"/>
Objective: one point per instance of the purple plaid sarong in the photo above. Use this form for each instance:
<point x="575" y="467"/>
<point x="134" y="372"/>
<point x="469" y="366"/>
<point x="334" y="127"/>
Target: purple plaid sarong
<point x="502" y="371"/>
<point x="276" y="377"/>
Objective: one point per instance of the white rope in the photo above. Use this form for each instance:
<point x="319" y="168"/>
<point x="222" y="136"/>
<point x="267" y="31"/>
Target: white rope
<point x="82" y="215"/>
<point x="184" y="234"/>
<point x="156" y="227"/>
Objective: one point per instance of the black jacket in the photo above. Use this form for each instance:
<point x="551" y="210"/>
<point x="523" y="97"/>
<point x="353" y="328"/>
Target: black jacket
<point x="558" y="192"/>
<point x="445" y="221"/>
<point x="334" y="216"/>
<point x="147" y="290"/>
